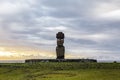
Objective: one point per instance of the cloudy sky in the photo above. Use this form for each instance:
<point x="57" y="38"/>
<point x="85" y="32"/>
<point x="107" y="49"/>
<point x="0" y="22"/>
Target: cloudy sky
<point x="28" y="28"/>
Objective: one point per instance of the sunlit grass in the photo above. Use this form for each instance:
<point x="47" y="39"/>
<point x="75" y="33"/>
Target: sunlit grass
<point x="60" y="71"/>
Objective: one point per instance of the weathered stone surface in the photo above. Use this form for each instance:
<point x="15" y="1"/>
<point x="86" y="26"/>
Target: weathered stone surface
<point x="60" y="42"/>
<point x="59" y="60"/>
<point x="60" y="35"/>
<point x="60" y="49"/>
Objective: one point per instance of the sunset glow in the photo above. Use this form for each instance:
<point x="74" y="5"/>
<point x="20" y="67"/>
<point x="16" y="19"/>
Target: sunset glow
<point x="28" y="28"/>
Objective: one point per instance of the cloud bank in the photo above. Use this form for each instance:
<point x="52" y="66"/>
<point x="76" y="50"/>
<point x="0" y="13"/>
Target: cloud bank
<point x="91" y="27"/>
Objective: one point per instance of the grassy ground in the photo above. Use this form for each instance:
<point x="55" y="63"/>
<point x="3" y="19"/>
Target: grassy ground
<point x="60" y="71"/>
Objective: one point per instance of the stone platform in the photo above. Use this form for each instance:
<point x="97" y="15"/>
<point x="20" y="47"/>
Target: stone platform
<point x="59" y="60"/>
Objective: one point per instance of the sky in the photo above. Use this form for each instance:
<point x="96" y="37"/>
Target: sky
<point x="28" y="28"/>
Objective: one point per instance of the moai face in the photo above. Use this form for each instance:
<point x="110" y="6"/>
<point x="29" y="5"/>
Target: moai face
<point x="60" y="42"/>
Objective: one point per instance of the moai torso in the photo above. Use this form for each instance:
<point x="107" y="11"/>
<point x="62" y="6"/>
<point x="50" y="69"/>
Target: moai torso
<point x="60" y="49"/>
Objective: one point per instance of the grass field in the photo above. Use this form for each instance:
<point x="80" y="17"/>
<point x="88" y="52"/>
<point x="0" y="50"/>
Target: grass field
<point x="60" y="71"/>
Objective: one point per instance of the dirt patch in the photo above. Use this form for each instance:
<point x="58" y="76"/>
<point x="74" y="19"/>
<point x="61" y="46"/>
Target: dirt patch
<point x="49" y="75"/>
<point x="57" y="74"/>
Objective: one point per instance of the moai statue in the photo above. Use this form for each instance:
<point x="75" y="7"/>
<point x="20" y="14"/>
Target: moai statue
<point x="60" y="49"/>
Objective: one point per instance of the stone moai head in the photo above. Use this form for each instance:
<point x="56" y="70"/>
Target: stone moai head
<point x="60" y="35"/>
<point x="60" y="38"/>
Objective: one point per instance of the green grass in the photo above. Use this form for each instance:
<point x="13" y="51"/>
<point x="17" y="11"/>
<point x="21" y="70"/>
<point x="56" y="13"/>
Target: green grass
<point x="60" y="71"/>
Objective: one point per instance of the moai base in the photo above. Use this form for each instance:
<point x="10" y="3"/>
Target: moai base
<point x="60" y="52"/>
<point x="60" y="49"/>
